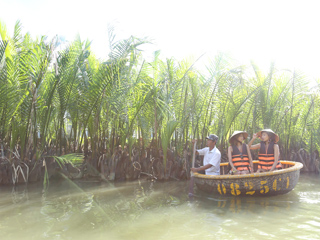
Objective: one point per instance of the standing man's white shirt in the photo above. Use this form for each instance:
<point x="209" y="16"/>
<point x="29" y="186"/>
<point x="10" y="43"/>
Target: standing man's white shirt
<point x="212" y="157"/>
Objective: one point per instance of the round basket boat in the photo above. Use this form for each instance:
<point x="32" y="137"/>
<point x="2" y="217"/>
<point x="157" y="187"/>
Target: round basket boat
<point x="253" y="184"/>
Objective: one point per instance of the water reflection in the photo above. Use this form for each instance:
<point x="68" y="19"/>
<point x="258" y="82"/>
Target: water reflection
<point x="261" y="205"/>
<point x="19" y="194"/>
<point x="155" y="210"/>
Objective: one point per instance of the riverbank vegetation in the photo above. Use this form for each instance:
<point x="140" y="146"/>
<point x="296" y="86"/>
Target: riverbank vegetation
<point x="124" y="116"/>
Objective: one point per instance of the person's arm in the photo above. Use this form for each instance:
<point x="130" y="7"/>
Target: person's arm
<point x="250" y="158"/>
<point x="201" y="168"/>
<point x="256" y="146"/>
<point x="230" y="158"/>
<point x="201" y="152"/>
<point x="276" y="156"/>
<point x="215" y="162"/>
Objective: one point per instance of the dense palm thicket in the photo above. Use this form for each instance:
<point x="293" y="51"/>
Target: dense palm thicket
<point x="56" y="100"/>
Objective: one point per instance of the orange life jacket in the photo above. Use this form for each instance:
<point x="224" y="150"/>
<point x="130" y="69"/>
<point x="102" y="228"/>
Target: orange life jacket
<point x="266" y="156"/>
<point x="240" y="160"/>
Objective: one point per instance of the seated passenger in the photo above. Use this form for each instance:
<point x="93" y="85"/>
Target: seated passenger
<point x="268" y="155"/>
<point x="239" y="154"/>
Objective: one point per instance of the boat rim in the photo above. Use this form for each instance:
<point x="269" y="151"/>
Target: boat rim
<point x="295" y="166"/>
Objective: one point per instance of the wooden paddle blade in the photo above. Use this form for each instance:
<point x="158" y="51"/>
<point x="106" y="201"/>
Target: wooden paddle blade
<point x="191" y="187"/>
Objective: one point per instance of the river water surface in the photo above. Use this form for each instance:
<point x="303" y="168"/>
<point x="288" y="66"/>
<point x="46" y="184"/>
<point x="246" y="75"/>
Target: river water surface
<point x="155" y="210"/>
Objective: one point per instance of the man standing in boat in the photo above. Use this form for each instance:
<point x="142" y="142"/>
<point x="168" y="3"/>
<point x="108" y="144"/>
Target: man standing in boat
<point x="212" y="157"/>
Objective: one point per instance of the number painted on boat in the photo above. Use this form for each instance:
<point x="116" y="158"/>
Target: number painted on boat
<point x="235" y="189"/>
<point x="264" y="188"/>
<point x="274" y="185"/>
<point x="249" y="187"/>
<point x="222" y="189"/>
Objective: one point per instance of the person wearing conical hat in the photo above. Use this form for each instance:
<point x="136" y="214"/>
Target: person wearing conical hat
<point x="239" y="154"/>
<point x="269" y="153"/>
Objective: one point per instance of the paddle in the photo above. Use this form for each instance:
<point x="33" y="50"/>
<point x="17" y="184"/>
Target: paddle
<point x="192" y="175"/>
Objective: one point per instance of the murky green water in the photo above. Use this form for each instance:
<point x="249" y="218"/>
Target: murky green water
<point x="146" y="210"/>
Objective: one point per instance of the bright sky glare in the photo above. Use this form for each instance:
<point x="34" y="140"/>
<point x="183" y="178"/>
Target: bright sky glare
<point x="265" y="31"/>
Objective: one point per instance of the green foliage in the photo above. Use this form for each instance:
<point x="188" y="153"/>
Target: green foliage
<point x="166" y="135"/>
<point x="60" y="92"/>
<point x="62" y="161"/>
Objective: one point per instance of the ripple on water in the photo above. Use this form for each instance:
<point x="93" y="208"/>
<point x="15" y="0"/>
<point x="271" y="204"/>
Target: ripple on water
<point x="310" y="197"/>
<point x="144" y="210"/>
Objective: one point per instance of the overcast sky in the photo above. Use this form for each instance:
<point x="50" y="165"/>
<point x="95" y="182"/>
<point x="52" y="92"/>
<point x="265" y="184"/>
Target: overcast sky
<point x="281" y="31"/>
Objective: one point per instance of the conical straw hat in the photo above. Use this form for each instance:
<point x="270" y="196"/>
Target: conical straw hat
<point x="270" y="131"/>
<point x="235" y="133"/>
